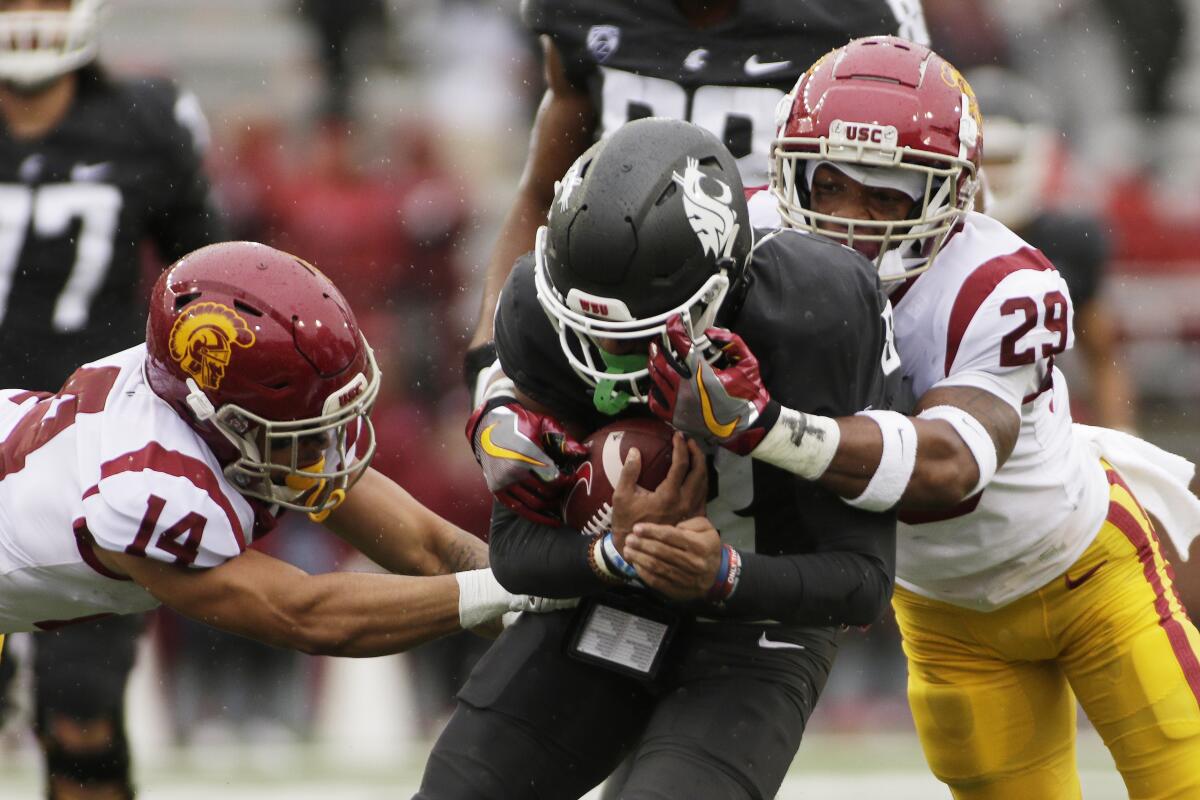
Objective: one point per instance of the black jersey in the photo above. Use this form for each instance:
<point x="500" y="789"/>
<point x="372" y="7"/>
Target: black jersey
<point x="818" y="322"/>
<point x="641" y="58"/>
<point x="76" y="206"/>
<point x="1077" y="246"/>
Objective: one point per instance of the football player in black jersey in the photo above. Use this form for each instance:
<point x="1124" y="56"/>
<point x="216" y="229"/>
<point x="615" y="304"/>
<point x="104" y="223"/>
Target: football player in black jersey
<point x="648" y="243"/>
<point x="91" y="168"/>
<point x="722" y="64"/>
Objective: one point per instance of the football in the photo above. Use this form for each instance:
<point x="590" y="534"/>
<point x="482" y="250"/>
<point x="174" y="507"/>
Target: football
<point x="588" y="507"/>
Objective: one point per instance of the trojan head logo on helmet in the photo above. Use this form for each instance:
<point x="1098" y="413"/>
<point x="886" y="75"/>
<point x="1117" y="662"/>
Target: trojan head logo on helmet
<point x="261" y="355"/>
<point x="41" y="43"/>
<point x="648" y="223"/>
<point x="890" y="115"/>
<point x="202" y="341"/>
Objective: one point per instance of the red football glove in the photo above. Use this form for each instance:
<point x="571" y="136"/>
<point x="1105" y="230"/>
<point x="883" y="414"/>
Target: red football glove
<point x="725" y="404"/>
<point x="526" y="458"/>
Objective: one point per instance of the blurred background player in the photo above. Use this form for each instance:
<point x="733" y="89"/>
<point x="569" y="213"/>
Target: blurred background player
<point x="92" y="168"/>
<point x="1025" y="166"/>
<point x="722" y="64"/>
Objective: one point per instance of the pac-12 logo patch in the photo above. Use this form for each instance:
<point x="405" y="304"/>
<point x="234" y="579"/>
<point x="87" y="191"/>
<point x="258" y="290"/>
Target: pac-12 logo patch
<point x="602" y="41"/>
<point x="202" y="341"/>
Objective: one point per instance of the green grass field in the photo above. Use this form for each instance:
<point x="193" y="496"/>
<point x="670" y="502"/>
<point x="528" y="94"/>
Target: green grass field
<point x="370" y="748"/>
<point x="829" y="766"/>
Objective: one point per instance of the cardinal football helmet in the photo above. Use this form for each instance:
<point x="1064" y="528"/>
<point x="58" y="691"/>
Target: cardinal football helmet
<point x="881" y="103"/>
<point x="38" y="46"/>
<point x="261" y="355"/>
<point x="648" y="223"/>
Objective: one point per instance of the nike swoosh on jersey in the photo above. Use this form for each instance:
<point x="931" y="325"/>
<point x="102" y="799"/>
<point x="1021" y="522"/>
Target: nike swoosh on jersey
<point x="1077" y="582"/>
<point x="721" y="429"/>
<point x="496" y="451"/>
<point x="771" y="644"/>
<point x="756" y="67"/>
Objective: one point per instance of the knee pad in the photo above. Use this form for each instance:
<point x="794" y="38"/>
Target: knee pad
<point x="87" y="752"/>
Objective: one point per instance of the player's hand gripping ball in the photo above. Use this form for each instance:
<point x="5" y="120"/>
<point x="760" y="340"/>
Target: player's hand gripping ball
<point x="588" y="506"/>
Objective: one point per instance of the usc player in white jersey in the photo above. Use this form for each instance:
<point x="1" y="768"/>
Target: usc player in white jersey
<point x="147" y="476"/>
<point x="1028" y="572"/>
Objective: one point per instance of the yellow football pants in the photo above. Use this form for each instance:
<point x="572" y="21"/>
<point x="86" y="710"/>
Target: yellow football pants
<point x="993" y="694"/>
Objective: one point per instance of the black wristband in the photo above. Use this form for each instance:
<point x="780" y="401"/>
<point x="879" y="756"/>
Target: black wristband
<point x="769" y="416"/>
<point x="476" y="359"/>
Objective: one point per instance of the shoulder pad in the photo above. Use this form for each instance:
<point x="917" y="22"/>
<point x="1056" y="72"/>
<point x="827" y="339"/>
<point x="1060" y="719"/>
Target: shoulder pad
<point x="169" y="506"/>
<point x="1009" y="312"/>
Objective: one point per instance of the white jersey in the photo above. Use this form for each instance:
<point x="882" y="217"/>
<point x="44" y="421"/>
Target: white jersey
<point x="991" y="313"/>
<point x="104" y="463"/>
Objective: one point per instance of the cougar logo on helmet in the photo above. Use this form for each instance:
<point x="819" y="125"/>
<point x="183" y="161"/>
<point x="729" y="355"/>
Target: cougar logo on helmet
<point x="567" y="185"/>
<point x="202" y="341"/>
<point x="712" y="218"/>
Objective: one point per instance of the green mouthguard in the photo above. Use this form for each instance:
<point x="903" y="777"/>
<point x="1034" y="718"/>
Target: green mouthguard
<point x="608" y="398"/>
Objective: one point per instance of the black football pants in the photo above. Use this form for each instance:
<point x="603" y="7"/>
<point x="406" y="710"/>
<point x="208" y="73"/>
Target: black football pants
<point x="723" y="719"/>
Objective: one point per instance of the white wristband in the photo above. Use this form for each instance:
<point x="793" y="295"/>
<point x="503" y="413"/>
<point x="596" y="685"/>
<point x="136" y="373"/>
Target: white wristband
<point x="800" y="443"/>
<point x="481" y="598"/>
<point x="978" y="440"/>
<point x="896" y="463"/>
<point x="530" y="604"/>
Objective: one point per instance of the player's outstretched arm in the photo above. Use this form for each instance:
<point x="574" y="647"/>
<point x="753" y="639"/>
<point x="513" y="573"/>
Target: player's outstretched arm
<point x="340" y="613"/>
<point x="561" y="131"/>
<point x="960" y="436"/>
<point x="385" y="523"/>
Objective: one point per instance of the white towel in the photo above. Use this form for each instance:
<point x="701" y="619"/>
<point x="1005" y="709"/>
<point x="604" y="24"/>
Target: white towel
<point x="1158" y="479"/>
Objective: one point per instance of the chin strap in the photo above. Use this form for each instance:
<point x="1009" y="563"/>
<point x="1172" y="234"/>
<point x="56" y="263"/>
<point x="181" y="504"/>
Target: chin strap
<point x="336" y="498"/>
<point x="198" y="402"/>
<point x="309" y="488"/>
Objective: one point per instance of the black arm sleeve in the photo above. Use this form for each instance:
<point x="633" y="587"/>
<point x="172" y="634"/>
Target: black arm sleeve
<point x="528" y="558"/>
<point x="844" y="579"/>
<point x="841" y="588"/>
